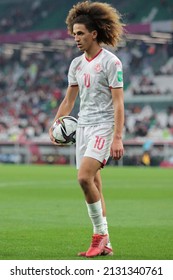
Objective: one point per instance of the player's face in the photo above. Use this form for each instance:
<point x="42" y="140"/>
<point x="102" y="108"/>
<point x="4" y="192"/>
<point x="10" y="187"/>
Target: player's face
<point x="83" y="38"/>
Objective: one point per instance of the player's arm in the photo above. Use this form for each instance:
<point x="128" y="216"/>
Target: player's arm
<point x="117" y="148"/>
<point x="68" y="102"/>
<point x="66" y="106"/>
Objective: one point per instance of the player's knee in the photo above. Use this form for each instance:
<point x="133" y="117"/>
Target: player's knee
<point x="84" y="182"/>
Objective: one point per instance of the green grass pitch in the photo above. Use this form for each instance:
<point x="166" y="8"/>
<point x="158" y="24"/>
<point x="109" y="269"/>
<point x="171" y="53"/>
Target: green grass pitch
<point x="43" y="215"/>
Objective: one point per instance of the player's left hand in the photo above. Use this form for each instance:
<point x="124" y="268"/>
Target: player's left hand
<point x="117" y="149"/>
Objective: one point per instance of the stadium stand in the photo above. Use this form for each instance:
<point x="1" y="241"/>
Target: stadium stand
<point x="50" y="14"/>
<point x="32" y="87"/>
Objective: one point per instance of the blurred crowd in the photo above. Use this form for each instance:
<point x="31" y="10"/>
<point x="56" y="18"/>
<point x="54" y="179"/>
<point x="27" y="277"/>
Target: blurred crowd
<point x="145" y="65"/>
<point x="19" y="18"/>
<point x="32" y="87"/>
<point x="147" y="123"/>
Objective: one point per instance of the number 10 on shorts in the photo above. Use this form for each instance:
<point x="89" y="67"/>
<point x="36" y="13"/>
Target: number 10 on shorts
<point x="99" y="143"/>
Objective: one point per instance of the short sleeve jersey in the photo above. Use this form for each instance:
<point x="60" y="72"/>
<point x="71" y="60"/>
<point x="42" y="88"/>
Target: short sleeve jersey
<point x="95" y="78"/>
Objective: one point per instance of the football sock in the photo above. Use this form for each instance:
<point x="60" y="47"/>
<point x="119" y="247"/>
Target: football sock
<point x="106" y="230"/>
<point x="105" y="225"/>
<point x="95" y="214"/>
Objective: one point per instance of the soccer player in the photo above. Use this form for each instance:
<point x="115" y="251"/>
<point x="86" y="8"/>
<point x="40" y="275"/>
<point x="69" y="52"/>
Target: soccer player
<point x="96" y="75"/>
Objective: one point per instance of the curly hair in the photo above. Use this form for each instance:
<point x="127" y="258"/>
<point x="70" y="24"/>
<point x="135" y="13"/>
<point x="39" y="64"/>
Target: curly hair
<point x="102" y="17"/>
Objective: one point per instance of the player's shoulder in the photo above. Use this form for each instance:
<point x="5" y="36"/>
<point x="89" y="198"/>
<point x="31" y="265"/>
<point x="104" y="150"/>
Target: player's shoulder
<point x="77" y="59"/>
<point x="110" y="57"/>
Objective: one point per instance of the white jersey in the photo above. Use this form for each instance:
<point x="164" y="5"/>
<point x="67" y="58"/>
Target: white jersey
<point x="95" y="78"/>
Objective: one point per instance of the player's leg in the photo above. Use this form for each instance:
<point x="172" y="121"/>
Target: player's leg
<point x="92" y="152"/>
<point x="108" y="247"/>
<point x="98" y="182"/>
<point x="86" y="178"/>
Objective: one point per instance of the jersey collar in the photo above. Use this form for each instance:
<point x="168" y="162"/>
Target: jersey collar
<point x="89" y="60"/>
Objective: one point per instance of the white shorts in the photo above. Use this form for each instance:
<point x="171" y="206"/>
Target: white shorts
<point x="94" y="142"/>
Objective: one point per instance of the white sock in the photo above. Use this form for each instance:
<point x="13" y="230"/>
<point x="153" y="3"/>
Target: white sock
<point x="105" y="225"/>
<point x="95" y="214"/>
<point x="106" y="230"/>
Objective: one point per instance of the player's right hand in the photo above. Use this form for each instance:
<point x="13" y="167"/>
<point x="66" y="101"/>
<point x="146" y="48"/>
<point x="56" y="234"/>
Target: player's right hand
<point x="52" y="138"/>
<point x="51" y="135"/>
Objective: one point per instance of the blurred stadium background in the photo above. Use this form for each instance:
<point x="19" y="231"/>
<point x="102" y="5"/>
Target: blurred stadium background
<point x="36" y="199"/>
<point x="35" y="53"/>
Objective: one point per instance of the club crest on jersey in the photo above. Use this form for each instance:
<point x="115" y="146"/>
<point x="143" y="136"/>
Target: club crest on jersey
<point x="97" y="68"/>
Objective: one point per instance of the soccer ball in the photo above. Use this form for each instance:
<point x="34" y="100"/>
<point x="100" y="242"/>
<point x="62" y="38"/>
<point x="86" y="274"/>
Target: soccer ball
<point x="64" y="130"/>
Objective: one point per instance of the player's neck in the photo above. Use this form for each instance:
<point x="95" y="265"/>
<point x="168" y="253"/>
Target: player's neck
<point x="92" y="52"/>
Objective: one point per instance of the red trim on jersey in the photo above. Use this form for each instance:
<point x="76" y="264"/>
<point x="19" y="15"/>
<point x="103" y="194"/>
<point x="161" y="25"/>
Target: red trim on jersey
<point x="89" y="60"/>
<point x="73" y="85"/>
